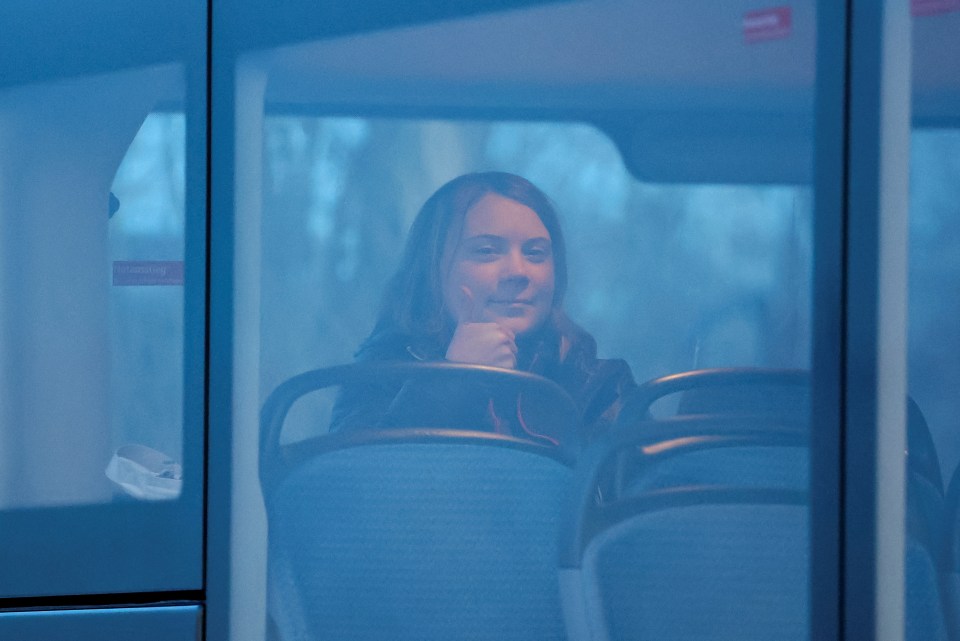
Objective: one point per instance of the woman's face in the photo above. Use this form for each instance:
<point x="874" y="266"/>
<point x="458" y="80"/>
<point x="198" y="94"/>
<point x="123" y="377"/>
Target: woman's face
<point x="500" y="269"/>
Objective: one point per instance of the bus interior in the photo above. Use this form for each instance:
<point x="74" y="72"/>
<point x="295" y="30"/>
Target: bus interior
<point x="202" y="205"/>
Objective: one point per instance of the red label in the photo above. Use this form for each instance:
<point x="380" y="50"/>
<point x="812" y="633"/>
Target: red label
<point x="931" y="7"/>
<point x="767" y="24"/>
<point x="147" y="272"/>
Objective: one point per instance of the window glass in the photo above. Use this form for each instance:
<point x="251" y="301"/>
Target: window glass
<point x="102" y="288"/>
<point x="146" y="251"/>
<point x="674" y="141"/>
<point x="933" y="489"/>
<point x="934" y="372"/>
<point x="670" y="277"/>
<point x="95" y="246"/>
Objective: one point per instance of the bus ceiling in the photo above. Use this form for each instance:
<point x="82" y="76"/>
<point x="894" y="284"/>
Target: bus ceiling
<point x="697" y="99"/>
<point x="685" y="89"/>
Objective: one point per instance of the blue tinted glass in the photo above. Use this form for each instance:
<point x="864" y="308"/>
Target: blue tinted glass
<point x="395" y="190"/>
<point x="933" y="489"/>
<point x="102" y="192"/>
<point x="93" y="209"/>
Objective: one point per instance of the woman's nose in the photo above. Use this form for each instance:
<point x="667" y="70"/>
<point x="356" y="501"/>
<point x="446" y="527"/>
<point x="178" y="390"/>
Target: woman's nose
<point x="515" y="266"/>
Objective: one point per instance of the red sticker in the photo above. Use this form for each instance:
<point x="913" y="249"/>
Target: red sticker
<point x="932" y="7"/>
<point x="147" y="272"/>
<point x="767" y="24"/>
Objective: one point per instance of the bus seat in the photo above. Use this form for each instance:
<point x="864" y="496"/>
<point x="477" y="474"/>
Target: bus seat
<point x="547" y="406"/>
<point x="409" y="533"/>
<point x="780" y="393"/>
<point x="699" y="563"/>
<point x="416" y="534"/>
<point x="742" y="457"/>
<point x="696" y="479"/>
<point x="687" y="561"/>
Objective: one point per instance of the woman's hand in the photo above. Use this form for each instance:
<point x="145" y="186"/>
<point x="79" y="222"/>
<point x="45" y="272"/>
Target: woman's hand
<point x="481" y="343"/>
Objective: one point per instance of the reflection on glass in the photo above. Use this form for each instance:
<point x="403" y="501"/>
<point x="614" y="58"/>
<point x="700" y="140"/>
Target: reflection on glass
<point x="146" y="310"/>
<point x="670" y="277"/>
<point x="934" y="276"/>
<point x="934" y="374"/>
<point x="85" y="367"/>
<point x="682" y="184"/>
<point x="932" y="579"/>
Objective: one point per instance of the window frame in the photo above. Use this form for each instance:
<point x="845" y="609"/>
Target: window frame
<point x="859" y="361"/>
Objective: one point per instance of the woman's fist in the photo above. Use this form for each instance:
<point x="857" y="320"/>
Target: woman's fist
<point x="483" y="344"/>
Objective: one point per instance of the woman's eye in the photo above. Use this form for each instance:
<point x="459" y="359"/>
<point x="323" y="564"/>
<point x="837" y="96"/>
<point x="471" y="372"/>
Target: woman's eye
<point x="485" y="251"/>
<point x="537" y="255"/>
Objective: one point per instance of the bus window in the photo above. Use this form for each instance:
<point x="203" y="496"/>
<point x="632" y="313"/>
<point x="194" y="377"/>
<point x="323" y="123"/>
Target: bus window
<point x="670" y="277"/>
<point x="58" y="351"/>
<point x="682" y="185"/>
<point x="102" y="183"/>
<point x="933" y="369"/>
<point x="146" y="247"/>
<point x="932" y="374"/>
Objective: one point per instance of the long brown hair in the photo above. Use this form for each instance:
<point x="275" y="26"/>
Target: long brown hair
<point x="412" y="303"/>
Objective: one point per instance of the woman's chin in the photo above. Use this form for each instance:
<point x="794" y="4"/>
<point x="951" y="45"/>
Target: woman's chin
<point x="521" y="326"/>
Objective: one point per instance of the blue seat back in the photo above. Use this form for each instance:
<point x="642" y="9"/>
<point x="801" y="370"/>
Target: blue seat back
<point x="727" y="568"/>
<point x="420" y="536"/>
<point x="684" y="549"/>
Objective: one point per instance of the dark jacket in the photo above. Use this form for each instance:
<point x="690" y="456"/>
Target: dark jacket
<point x="596" y="386"/>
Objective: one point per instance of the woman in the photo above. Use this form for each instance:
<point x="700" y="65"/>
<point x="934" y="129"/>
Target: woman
<point x="482" y="281"/>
